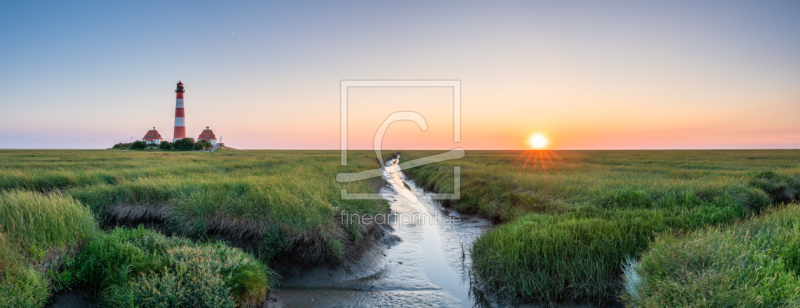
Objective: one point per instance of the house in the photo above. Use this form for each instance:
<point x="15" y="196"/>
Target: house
<point x="152" y="137"/>
<point x="209" y="136"/>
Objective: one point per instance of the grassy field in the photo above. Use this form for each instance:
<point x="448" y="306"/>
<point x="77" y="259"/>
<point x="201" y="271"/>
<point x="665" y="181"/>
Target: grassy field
<point x="285" y="201"/>
<point x="570" y="222"/>
<point x="754" y="264"/>
<point x="61" y="209"/>
<point x="570" y="219"/>
<point x="51" y="243"/>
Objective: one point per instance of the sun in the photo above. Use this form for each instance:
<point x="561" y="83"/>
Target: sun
<point x="538" y="141"/>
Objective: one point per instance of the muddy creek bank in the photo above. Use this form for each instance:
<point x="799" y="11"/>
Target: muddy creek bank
<point x="423" y="261"/>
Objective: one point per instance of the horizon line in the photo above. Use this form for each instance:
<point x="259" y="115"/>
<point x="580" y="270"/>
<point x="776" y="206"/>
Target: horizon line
<point x="444" y="149"/>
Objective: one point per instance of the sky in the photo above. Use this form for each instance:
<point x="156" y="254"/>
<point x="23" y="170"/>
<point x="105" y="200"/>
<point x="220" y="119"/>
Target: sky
<point x="266" y="75"/>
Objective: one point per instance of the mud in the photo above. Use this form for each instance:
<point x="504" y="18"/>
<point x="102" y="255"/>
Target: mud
<point x="70" y="299"/>
<point x="422" y="262"/>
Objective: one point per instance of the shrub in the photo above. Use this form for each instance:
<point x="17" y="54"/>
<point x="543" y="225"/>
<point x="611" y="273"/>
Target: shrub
<point x="202" y="145"/>
<point x="138" y="145"/>
<point x="165" y="145"/>
<point x="121" y="146"/>
<point x="185" y="144"/>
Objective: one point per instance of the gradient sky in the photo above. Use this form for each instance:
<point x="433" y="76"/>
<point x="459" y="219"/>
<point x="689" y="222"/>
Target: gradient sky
<point x="587" y="74"/>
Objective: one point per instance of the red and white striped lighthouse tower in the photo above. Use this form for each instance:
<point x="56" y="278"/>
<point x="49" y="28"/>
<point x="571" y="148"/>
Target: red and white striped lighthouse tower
<point x="180" y="122"/>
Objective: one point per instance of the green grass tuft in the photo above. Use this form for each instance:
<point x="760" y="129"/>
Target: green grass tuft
<point x="139" y="267"/>
<point x="43" y="222"/>
<point x="24" y="287"/>
<point x="754" y="264"/>
<point x="33" y="226"/>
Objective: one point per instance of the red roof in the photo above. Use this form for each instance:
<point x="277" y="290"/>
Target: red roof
<point x="152" y="135"/>
<point x="207" y="135"/>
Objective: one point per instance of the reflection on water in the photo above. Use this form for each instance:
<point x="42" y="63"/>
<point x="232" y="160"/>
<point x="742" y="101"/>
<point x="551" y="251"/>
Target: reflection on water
<point x="428" y="267"/>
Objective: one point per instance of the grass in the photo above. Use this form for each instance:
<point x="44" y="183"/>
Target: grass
<point x="271" y="203"/>
<point x="571" y="218"/>
<point x="245" y="196"/>
<point x="51" y="243"/>
<point x="754" y="264"/>
<point x="42" y="222"/>
<point x="35" y="232"/>
<point x="143" y="268"/>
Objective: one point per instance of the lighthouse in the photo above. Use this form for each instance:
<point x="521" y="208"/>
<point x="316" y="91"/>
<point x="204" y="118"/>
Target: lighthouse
<point x="180" y="122"/>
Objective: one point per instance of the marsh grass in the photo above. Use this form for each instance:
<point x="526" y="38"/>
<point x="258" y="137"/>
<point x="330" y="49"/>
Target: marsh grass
<point x="142" y="268"/>
<point x="41" y="222"/>
<point x="230" y="195"/>
<point x="7" y="255"/>
<point x="35" y="229"/>
<point x="51" y="243"/>
<point x="753" y="264"/>
<point x="570" y="222"/>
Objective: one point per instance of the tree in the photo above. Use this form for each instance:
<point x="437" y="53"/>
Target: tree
<point x="138" y="145"/>
<point x="185" y="144"/>
<point x="121" y="146"/>
<point x="202" y="145"/>
<point x="165" y="145"/>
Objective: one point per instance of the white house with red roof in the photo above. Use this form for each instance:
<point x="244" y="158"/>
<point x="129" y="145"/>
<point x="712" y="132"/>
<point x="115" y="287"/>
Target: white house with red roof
<point x="208" y="135"/>
<point x="152" y="137"/>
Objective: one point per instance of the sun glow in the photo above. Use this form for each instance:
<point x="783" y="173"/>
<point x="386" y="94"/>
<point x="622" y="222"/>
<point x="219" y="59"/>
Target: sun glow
<point x="538" y="141"/>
